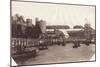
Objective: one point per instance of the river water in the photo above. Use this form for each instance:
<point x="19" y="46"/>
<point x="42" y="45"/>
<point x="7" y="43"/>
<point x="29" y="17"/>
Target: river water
<point x="60" y="54"/>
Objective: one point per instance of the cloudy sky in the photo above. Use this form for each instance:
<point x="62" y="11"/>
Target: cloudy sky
<point x="56" y="14"/>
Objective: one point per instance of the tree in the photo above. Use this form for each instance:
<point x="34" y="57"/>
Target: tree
<point x="78" y="27"/>
<point x="58" y="27"/>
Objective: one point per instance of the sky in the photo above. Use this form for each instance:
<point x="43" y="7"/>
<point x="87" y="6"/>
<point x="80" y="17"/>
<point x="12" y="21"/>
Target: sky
<point x="55" y="14"/>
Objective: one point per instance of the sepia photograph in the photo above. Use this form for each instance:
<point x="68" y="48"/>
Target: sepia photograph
<point x="52" y="33"/>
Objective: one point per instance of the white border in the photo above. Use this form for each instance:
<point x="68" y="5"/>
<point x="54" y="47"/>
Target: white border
<point x="5" y="33"/>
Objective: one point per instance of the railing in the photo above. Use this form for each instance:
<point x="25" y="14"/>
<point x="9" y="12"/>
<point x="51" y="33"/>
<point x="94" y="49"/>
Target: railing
<point x="22" y="42"/>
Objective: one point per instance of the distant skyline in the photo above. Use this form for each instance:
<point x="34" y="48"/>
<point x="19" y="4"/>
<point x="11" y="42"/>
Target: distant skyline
<point x="56" y="14"/>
